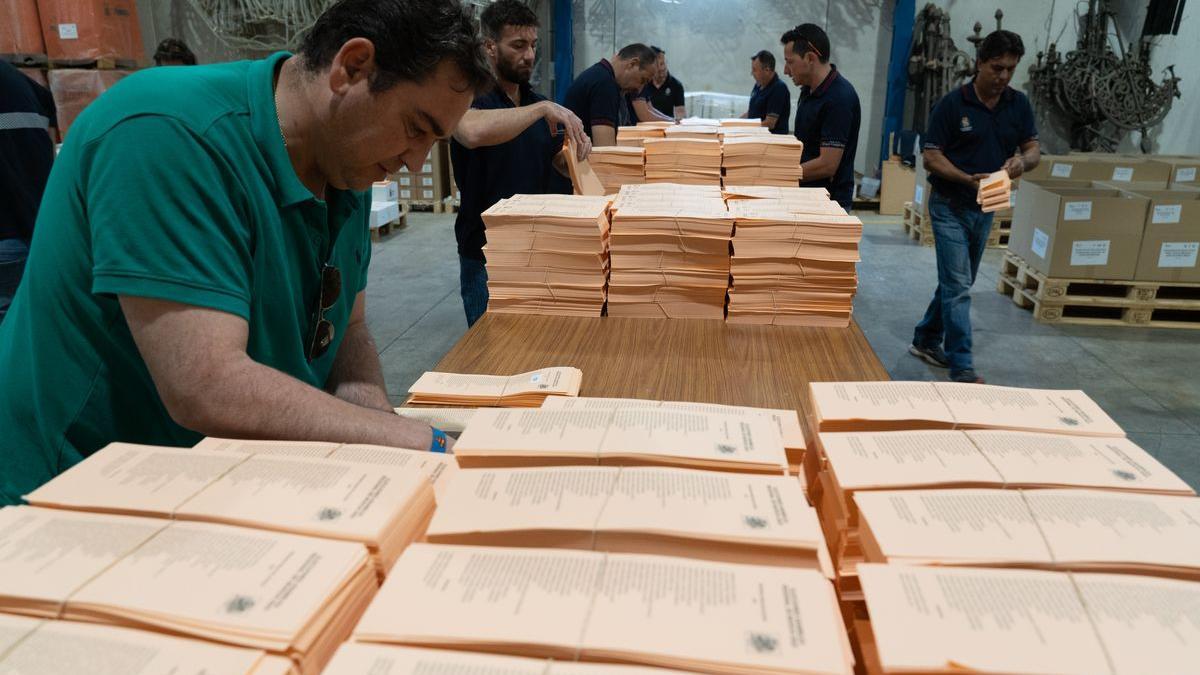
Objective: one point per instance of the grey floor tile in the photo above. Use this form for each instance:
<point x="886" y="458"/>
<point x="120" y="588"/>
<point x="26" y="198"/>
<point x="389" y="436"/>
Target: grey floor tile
<point x="1178" y="452"/>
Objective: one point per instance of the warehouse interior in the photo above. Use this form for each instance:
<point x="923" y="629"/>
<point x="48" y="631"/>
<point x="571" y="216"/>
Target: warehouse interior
<point x="599" y="337"/>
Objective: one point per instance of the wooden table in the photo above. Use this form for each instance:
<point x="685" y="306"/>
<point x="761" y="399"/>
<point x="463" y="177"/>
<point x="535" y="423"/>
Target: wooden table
<point x="673" y="360"/>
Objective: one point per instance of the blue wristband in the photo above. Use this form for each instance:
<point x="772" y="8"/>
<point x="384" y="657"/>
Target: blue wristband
<point x="439" y="441"/>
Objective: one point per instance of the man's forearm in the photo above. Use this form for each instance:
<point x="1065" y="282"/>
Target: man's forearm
<point x="357" y="376"/>
<point x="480" y="128"/>
<point x="937" y="164"/>
<point x="1031" y="157"/>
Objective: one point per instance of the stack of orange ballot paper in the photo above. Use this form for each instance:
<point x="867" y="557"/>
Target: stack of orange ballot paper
<point x="685" y="159"/>
<point x="995" y="192"/>
<point x="618" y="165"/>
<point x="762" y="159"/>
<point x="525" y="390"/>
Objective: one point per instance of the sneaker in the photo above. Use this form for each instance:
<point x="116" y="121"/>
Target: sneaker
<point x="934" y="356"/>
<point x="968" y="376"/>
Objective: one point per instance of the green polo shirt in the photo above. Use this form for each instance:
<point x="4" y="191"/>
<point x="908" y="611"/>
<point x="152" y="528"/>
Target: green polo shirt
<point x="174" y="185"/>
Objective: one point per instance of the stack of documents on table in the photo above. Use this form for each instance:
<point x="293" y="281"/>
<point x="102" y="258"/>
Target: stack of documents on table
<point x="450" y="420"/>
<point x="786" y="421"/>
<point x="734" y="192"/>
<point x="547" y="254"/>
<point x="805" y="203"/>
<point x="381" y="507"/>
<point x="995" y="192"/>
<point x="40" y="647"/>
<point x="670" y="252"/>
<point x="859" y="463"/>
<point x="896" y="406"/>
<point x="1066" y="530"/>
<point x="705" y="132"/>
<point x="790" y="267"/>
<point x="762" y="159"/>
<point x="699" y="122"/>
<point x="436" y="467"/>
<point x="687" y="161"/>
<point x="618" y="165"/>
<point x="524" y="390"/>
<point x="737" y="132"/>
<point x="934" y="620"/>
<point x="744" y="122"/>
<point x="656" y="124"/>
<point x="707" y="515"/>
<point x="611" y="607"/>
<point x="622" y="437"/>
<point x="359" y="658"/>
<point x="634" y="136"/>
<point x="286" y="594"/>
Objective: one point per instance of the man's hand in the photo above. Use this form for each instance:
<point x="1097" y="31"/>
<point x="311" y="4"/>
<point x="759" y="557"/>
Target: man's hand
<point x="976" y="177"/>
<point x="555" y="115"/>
<point x="1015" y="166"/>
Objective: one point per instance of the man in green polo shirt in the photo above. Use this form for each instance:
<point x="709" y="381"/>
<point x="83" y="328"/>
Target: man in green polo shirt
<point x="198" y="264"/>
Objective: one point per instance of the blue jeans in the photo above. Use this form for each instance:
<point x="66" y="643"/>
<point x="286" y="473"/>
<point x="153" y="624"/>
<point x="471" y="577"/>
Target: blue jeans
<point x="13" y="253"/>
<point x="960" y="232"/>
<point x="472" y="277"/>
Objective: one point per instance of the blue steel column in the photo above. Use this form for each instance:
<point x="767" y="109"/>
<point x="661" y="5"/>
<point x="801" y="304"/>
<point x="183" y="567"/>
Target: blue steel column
<point x="893" y="109"/>
<point x="564" y="48"/>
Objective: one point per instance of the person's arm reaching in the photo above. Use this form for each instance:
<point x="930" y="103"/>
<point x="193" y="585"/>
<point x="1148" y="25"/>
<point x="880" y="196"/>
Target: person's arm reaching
<point x="939" y="165"/>
<point x="822" y="166"/>
<point x="209" y="384"/>
<point x="603" y="135"/>
<point x="480" y="128"/>
<point x="648" y="113"/>
<point x="1028" y="158"/>
<point x="770" y="121"/>
<point x="357" y="376"/>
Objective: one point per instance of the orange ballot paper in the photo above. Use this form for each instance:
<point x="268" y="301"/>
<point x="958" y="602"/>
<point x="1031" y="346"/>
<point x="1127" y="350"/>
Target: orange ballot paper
<point x="526" y="390"/>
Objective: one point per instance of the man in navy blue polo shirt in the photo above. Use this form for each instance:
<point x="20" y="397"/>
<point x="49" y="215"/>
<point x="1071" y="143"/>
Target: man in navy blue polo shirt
<point x="770" y="100"/>
<point x="507" y="144"/>
<point x="662" y="99"/>
<point x="828" y="115"/>
<point x="981" y="127"/>
<point x="599" y="96"/>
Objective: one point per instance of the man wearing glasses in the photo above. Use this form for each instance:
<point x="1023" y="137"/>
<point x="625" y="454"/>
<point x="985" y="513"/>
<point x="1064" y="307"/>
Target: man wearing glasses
<point x="828" y="115"/>
<point x="200" y="266"/>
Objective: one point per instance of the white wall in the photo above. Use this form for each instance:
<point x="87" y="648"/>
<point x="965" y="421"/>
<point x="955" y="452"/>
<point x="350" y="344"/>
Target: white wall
<point x="709" y="43"/>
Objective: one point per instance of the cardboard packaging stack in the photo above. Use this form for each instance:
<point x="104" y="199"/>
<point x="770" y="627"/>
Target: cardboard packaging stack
<point x="618" y="165"/>
<point x="548" y="254"/>
<point x="757" y="159"/>
<point x="633" y="137"/>
<point x="793" y="260"/>
<point x="432" y="183"/>
<point x="89" y="30"/>
<point x="21" y="33"/>
<point x="1171" y="240"/>
<point x="670" y="252"/>
<point x="385" y="203"/>
<point x="686" y="161"/>
<point x="74" y="89"/>
<point x="524" y="390"/>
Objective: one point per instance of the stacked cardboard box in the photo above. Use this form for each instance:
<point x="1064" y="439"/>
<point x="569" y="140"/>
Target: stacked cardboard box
<point x="670" y="252"/>
<point x="385" y="206"/>
<point x="897" y="185"/>
<point x="91" y="30"/>
<point x="74" y="89"/>
<point x="1171" y="239"/>
<point x="431" y="184"/>
<point x="21" y="33"/>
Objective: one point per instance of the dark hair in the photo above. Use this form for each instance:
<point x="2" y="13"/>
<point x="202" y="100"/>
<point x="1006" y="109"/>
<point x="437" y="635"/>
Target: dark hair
<point x="811" y="38"/>
<point x="766" y="58"/>
<point x="998" y="43"/>
<point x="411" y="38"/>
<point x="657" y="50"/>
<point x="172" y="49"/>
<point x="645" y="55"/>
<point x="506" y="13"/>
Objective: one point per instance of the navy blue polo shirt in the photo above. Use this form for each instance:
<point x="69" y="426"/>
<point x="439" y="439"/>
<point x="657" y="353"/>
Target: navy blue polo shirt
<point x="26" y="151"/>
<point x="596" y="98"/>
<point x="487" y="174"/>
<point x="828" y="116"/>
<point x="977" y="139"/>
<point x="664" y="98"/>
<point x="773" y="99"/>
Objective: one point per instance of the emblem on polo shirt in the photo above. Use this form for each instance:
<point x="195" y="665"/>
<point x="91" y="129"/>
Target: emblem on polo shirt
<point x="966" y="123"/>
<point x="667" y="90"/>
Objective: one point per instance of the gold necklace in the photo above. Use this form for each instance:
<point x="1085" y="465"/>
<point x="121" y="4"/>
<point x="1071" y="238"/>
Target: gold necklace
<point x="278" y="117"/>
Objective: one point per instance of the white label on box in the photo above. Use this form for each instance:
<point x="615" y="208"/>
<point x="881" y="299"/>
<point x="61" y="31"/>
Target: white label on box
<point x="1090" y="252"/>
<point x="68" y="31"/>
<point x="1123" y="173"/>
<point x="1186" y="174"/>
<point x="919" y="194"/>
<point x="1012" y="199"/>
<point x="1167" y="213"/>
<point x="1061" y="171"/>
<point x="405" y="180"/>
<point x="426" y="181"/>
<point x="1040" y="241"/>
<point x="406" y="194"/>
<point x="427" y="194"/>
<point x="426" y="168"/>
<point x="1077" y="211"/>
<point x="1178" y="253"/>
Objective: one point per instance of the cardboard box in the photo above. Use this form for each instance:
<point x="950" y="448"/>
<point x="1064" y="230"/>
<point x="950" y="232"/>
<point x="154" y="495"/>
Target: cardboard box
<point x="383" y="212"/>
<point x="432" y="182"/>
<point x="91" y="29"/>
<point x="1185" y="170"/>
<point x="385" y="191"/>
<point x="75" y="88"/>
<point x="1171" y="240"/>
<point x="897" y="187"/>
<point x="1076" y="232"/>
<point x="1136" y="173"/>
<point x="20" y="29"/>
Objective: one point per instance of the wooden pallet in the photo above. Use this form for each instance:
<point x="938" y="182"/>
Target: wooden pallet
<point x="451" y="205"/>
<point x="25" y="60"/>
<point x="102" y="63"/>
<point x="916" y="225"/>
<point x="1099" y="302"/>
<point x="386" y="230"/>
<point x="433" y="206"/>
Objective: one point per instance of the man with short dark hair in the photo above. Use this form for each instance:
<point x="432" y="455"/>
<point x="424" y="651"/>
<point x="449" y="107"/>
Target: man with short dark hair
<point x="507" y="144"/>
<point x="201" y="268"/>
<point x="173" y="52"/>
<point x="981" y="127"/>
<point x="662" y="99"/>
<point x="770" y="100"/>
<point x="828" y="115"/>
<point x="598" y="96"/>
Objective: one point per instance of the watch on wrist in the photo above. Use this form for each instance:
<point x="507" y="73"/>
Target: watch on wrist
<point x="439" y="441"/>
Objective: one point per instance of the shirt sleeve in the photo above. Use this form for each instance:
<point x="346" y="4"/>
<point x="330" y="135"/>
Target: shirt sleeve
<point x="677" y="98"/>
<point x="165" y="219"/>
<point x="644" y="95"/>
<point x="605" y="104"/>
<point x="938" y="129"/>
<point x="777" y="102"/>
<point x="1029" y="130"/>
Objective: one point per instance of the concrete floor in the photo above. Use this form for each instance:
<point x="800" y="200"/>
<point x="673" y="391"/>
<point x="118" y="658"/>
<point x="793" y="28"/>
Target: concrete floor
<point x="1147" y="379"/>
